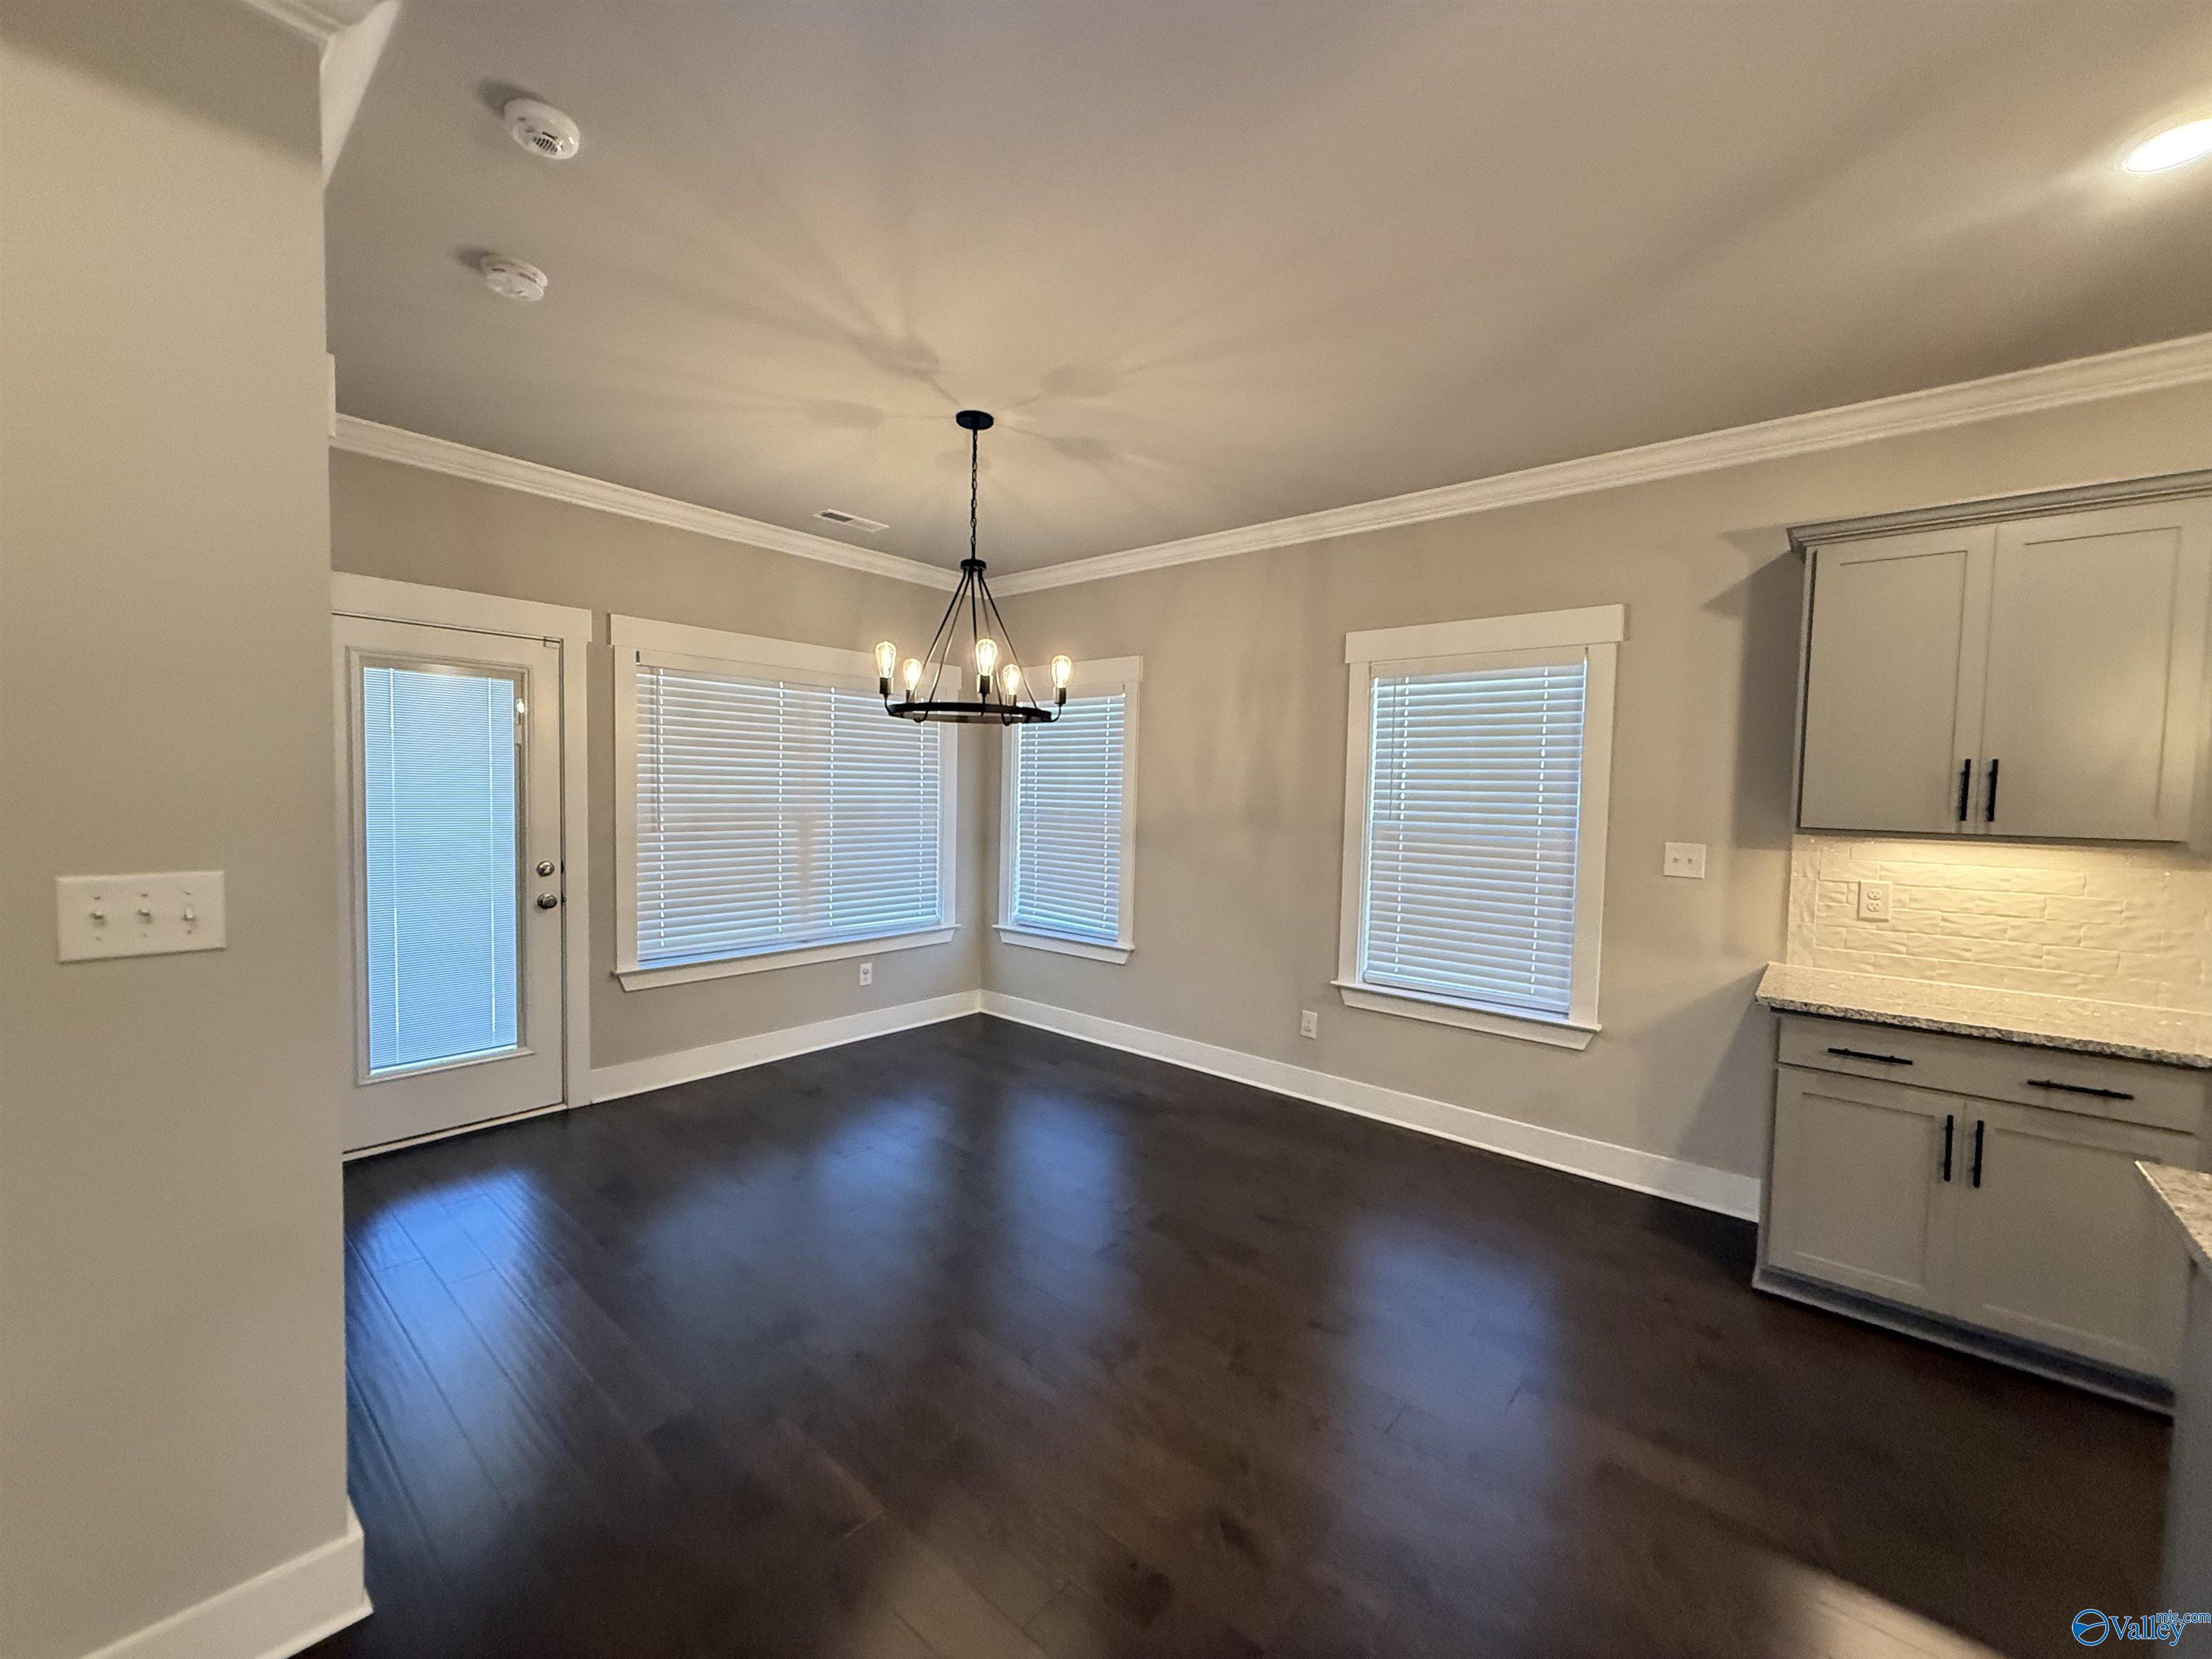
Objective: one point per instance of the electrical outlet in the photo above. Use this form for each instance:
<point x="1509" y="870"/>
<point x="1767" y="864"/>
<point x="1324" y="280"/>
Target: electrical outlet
<point x="1874" y="900"/>
<point x="1684" y="858"/>
<point x="867" y="973"/>
<point x="1309" y="1023"/>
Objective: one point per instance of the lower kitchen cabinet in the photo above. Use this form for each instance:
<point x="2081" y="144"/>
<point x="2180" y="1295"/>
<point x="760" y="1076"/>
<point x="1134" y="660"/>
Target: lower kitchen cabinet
<point x="2061" y="1242"/>
<point x="1855" y="1191"/>
<point x="1981" y="1217"/>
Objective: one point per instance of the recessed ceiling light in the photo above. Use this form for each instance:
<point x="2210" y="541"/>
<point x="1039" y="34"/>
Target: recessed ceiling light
<point x="2176" y="147"/>
<point x="512" y="279"/>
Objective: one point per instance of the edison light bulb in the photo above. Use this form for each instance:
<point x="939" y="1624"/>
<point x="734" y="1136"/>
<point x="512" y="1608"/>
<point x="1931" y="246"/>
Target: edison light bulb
<point x="911" y="673"/>
<point x="987" y="656"/>
<point x="1062" y="671"/>
<point x="1010" y="680"/>
<point x="886" y="658"/>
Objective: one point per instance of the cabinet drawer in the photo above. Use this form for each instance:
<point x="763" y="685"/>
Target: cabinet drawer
<point x="2123" y="1091"/>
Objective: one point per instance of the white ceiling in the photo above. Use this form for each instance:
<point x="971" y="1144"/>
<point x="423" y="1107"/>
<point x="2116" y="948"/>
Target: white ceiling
<point x="1216" y="263"/>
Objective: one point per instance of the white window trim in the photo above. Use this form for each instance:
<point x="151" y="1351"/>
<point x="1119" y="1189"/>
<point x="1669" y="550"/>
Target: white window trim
<point x="1102" y="678"/>
<point x="1432" y="647"/>
<point x="640" y="640"/>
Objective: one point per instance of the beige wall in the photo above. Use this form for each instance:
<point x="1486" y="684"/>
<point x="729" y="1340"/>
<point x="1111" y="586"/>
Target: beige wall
<point x="172" y="1393"/>
<point x="415" y="525"/>
<point x="1241" y="766"/>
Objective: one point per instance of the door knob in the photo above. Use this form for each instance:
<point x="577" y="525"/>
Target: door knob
<point x="549" y="901"/>
<point x="545" y="866"/>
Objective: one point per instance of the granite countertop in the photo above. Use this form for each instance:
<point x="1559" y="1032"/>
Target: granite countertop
<point x="2187" y="1193"/>
<point x="2168" y="1036"/>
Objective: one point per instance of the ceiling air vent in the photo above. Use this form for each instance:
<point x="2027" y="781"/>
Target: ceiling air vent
<point x="851" y="521"/>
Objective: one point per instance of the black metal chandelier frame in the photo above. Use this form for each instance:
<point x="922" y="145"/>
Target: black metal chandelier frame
<point x="996" y="700"/>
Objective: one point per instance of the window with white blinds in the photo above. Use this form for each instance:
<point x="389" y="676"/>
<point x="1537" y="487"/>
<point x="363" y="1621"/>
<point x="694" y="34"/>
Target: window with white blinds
<point x="775" y="813"/>
<point x="1474" y="822"/>
<point x="1475" y="797"/>
<point x="1065" y="843"/>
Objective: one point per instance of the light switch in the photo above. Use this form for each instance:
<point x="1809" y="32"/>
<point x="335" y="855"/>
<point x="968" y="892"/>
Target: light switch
<point x="1874" y="900"/>
<point x="1309" y="1023"/>
<point x="151" y="916"/>
<point x="1685" y="858"/>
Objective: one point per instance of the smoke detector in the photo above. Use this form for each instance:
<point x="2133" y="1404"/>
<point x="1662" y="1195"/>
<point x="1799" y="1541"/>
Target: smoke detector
<point x="542" y="130"/>
<point x="512" y="279"/>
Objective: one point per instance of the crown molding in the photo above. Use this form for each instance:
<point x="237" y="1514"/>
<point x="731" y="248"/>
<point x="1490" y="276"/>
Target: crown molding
<point x="391" y="443"/>
<point x="319" y="20"/>
<point x="2053" y="386"/>
<point x="1992" y="509"/>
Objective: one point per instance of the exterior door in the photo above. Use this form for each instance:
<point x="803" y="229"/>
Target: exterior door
<point x="450" y="784"/>
<point x="1862" y="1172"/>
<point x="2061" y="1242"/>
<point x="1893" y="681"/>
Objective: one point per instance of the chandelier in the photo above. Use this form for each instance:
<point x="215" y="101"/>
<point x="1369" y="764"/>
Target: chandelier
<point x="990" y="668"/>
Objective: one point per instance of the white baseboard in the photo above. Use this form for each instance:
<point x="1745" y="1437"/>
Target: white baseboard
<point x="689" y="1065"/>
<point x="1620" y="1166"/>
<point x="272" y="1616"/>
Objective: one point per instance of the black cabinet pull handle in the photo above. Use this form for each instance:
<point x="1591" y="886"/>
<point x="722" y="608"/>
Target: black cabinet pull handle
<point x="1965" y="783"/>
<point x="1879" y="1059"/>
<point x="1950" y="1122"/>
<point x="1976" y="1175"/>
<point x="2079" y="1088"/>
<point x="1989" y="804"/>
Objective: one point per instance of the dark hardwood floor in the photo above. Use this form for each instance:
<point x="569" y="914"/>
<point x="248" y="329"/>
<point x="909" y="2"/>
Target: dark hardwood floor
<point x="975" y="1340"/>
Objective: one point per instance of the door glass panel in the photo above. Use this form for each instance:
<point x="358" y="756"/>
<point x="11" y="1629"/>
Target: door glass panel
<point x="438" y="788"/>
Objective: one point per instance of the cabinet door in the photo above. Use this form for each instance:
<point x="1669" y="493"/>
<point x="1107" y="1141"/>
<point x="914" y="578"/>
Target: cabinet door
<point x="1857" y="1193"/>
<point x="2061" y="1242"/>
<point x="2187" y="1582"/>
<point x="1893" y="677"/>
<point x="2096" y="667"/>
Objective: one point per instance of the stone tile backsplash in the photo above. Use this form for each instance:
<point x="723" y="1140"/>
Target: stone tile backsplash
<point x="2131" y="924"/>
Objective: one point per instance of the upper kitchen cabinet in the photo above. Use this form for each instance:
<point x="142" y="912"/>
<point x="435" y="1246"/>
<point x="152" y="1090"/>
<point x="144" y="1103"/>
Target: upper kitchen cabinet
<point x="2038" y="677"/>
<point x="1894" y="667"/>
<point x="2090" y="725"/>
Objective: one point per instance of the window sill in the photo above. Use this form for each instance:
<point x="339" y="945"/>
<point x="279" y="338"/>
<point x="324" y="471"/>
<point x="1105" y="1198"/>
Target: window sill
<point x="1066" y="947"/>
<point x="1408" y="1005"/>
<point x="640" y="979"/>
